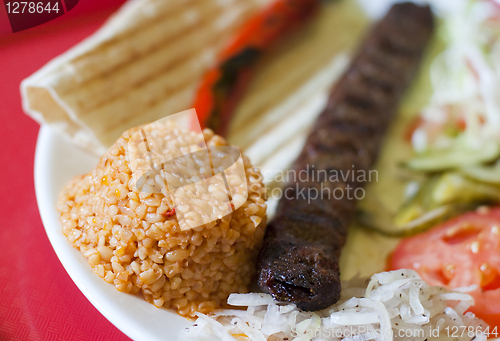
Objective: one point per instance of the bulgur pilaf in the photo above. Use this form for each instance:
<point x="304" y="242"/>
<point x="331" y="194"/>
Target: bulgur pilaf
<point x="133" y="240"/>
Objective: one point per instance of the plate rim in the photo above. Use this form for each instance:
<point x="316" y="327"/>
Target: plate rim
<point x="102" y="295"/>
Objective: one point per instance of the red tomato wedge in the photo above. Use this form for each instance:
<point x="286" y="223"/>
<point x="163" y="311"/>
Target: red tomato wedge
<point x="458" y="253"/>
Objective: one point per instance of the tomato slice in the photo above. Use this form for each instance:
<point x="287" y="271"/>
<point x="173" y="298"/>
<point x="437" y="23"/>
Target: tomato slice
<point x="458" y="253"/>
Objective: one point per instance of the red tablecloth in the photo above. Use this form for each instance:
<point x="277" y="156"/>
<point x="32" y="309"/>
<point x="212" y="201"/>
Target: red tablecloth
<point x="38" y="300"/>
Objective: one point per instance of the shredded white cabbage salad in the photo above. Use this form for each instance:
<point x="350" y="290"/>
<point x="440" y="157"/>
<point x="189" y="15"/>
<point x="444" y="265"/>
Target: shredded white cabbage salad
<point x="464" y="110"/>
<point x="395" y="305"/>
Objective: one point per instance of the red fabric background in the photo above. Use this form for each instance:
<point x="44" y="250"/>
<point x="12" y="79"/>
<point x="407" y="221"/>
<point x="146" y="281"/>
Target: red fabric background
<point x="38" y="300"/>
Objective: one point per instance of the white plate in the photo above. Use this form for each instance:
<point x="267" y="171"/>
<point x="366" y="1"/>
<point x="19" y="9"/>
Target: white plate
<point x="56" y="162"/>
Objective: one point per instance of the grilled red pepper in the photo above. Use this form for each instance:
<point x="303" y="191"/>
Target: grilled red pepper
<point x="224" y="85"/>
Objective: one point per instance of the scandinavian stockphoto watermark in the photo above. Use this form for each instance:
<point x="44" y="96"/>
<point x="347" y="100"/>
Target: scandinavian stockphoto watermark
<point x="369" y="332"/>
<point x="170" y="156"/>
<point x="331" y="184"/>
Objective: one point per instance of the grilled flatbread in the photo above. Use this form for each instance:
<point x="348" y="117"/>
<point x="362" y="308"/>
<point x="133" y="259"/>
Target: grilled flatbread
<point x="144" y="63"/>
<point x="147" y="61"/>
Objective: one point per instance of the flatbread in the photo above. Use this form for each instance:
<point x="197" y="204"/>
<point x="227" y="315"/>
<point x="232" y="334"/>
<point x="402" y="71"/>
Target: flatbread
<point x="143" y="64"/>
